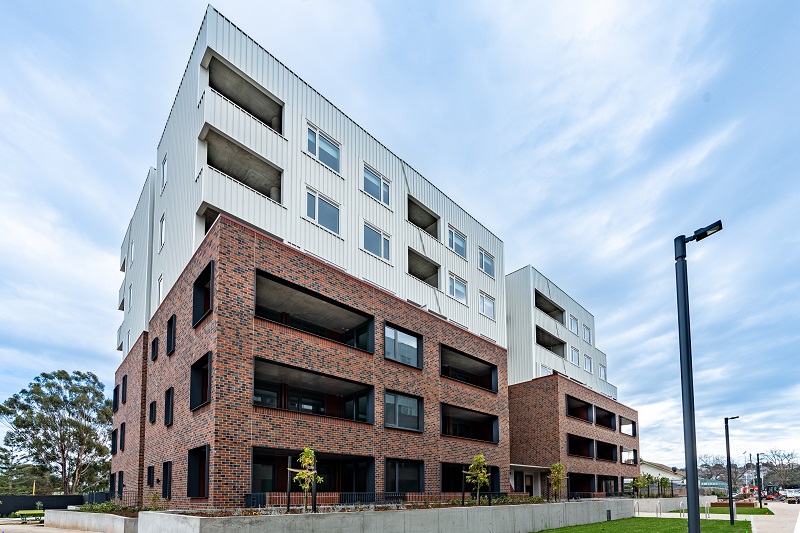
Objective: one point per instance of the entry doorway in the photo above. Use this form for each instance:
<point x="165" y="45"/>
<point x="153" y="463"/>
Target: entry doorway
<point x="529" y="484"/>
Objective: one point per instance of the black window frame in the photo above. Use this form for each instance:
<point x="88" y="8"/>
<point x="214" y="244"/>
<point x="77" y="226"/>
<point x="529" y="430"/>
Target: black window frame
<point x="420" y="347"/>
<point x="166" y="480"/>
<point x="203" y="295"/>
<point x="153" y="412"/>
<point x="124" y="395"/>
<point x="112" y="482"/>
<point x="120" y="483"/>
<point x="200" y="382"/>
<point x="113" y="442"/>
<point x="395" y="463"/>
<point x="169" y="406"/>
<point x="420" y="411"/>
<point x="197" y="472"/>
<point x="115" y="399"/>
<point x="171" y="326"/>
<point x="154" y="349"/>
<point x="122" y="437"/>
<point x="151" y="476"/>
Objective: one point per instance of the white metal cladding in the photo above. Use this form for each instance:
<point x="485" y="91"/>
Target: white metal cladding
<point x="137" y="269"/>
<point x="525" y="356"/>
<point x="194" y="186"/>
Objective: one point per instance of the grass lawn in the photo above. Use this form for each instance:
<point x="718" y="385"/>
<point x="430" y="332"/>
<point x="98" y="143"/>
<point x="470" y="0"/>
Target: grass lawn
<point x="739" y="510"/>
<point x="656" y="525"/>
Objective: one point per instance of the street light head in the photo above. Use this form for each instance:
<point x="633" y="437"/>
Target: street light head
<point x="702" y="233"/>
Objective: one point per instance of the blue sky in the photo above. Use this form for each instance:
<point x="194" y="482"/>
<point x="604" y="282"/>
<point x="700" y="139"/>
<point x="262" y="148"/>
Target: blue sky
<point x="587" y="135"/>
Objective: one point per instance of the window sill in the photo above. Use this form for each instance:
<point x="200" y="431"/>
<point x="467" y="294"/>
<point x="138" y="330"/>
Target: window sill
<point x="607" y="460"/>
<point x="326" y="167"/>
<point x="381" y="259"/>
<point x="468" y="384"/>
<point x="572" y="417"/>
<point x="457" y="254"/>
<point x="376" y="200"/>
<point x="465" y="304"/>
<point x="200" y="320"/>
<point x="196" y="407"/>
<point x="493" y="319"/>
<point x="470" y="439"/>
<point x="407" y="365"/>
<point x="580" y="456"/>
<point x="323" y="228"/>
<point x="418" y="431"/>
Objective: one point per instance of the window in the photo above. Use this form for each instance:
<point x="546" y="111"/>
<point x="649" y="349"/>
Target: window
<point x="133" y="242"/>
<point x="160" y="288"/>
<point x="112" y="478"/>
<point x="487" y="305"/>
<point x="200" y="386"/>
<point x="404" y="476"/>
<point x="376" y="242"/>
<point x="575" y="357"/>
<point x="587" y="363"/>
<point x="587" y="334"/>
<point x="115" y="399"/>
<point x="130" y="302"/>
<point x="403" y="347"/>
<point x="457" y="242"/>
<point x="197" y="473"/>
<point x="113" y="442"/>
<point x="129" y="341"/>
<point x="469" y="424"/>
<point x="151" y="476"/>
<point x="153" y="408"/>
<point x="486" y="262"/>
<point x="376" y="186"/>
<point x="171" y="335"/>
<point x="203" y="294"/>
<point x="120" y="483"/>
<point x="403" y="412"/>
<point x="161" y="231"/>
<point x="166" y="480"/>
<point x="573" y="324"/>
<point x="457" y="288"/>
<point x="164" y="173"/>
<point x="322" y="211"/>
<point x="124" y="388"/>
<point x="154" y="349"/>
<point x="122" y="436"/>
<point x="603" y="373"/>
<point x="169" y="398"/>
<point x="323" y="148"/>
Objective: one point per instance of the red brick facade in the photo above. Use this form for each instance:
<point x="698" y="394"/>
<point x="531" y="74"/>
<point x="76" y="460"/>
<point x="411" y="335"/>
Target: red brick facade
<point x="540" y="427"/>
<point x="231" y="425"/>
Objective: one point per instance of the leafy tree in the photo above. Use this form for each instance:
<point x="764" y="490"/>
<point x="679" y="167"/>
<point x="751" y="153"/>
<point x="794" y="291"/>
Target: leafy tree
<point x="640" y="482"/>
<point x="478" y="474"/>
<point x="305" y="477"/>
<point x="61" y="424"/>
<point x="664" y="484"/>
<point x="558" y="477"/>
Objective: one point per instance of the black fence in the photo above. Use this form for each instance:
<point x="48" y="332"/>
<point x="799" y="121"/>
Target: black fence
<point x="376" y="499"/>
<point x="12" y="503"/>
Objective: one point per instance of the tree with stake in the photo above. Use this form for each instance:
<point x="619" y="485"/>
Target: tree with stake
<point x="664" y="484"/>
<point x="306" y="476"/>
<point x="478" y="474"/>
<point x="558" y="476"/>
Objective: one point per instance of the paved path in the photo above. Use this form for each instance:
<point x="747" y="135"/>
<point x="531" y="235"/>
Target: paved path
<point x="7" y="526"/>
<point x="785" y="520"/>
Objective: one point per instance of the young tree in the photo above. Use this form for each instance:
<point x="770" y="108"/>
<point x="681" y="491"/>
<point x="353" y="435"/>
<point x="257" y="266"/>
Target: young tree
<point x="641" y="482"/>
<point x="664" y="484"/>
<point x="558" y="476"/>
<point x="478" y="474"/>
<point x="305" y="477"/>
<point x="61" y="423"/>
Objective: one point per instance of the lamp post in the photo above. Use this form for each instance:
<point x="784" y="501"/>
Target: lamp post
<point x="758" y="479"/>
<point x="728" y="450"/>
<point x="687" y="382"/>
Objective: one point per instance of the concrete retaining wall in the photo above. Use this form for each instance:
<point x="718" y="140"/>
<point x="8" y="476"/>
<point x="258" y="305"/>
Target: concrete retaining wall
<point x="107" y="523"/>
<point x="498" y="519"/>
<point x="650" y="505"/>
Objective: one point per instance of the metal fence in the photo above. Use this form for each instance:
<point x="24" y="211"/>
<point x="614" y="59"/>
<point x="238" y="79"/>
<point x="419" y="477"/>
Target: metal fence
<point x="377" y="499"/>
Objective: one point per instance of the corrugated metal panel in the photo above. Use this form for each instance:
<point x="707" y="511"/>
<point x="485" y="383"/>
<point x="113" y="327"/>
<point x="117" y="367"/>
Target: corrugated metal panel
<point x="519" y="313"/>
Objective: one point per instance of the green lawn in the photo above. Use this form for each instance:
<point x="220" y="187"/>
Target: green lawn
<point x="739" y="510"/>
<point x="656" y="525"/>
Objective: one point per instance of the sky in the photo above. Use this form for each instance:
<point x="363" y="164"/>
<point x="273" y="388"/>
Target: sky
<point x="586" y="135"/>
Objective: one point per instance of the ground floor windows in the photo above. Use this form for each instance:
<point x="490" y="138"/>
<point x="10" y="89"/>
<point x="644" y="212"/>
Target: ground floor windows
<point x="340" y="473"/>
<point x="197" y="472"/>
<point x="404" y="475"/>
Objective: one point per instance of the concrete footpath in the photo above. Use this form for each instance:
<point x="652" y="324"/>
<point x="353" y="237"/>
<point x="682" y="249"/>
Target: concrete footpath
<point x="785" y="520"/>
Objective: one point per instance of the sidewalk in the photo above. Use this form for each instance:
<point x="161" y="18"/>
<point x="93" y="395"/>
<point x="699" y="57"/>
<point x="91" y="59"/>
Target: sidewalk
<point x="14" y="526"/>
<point x="785" y="520"/>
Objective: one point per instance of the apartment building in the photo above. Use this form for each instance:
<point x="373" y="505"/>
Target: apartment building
<point x="561" y="406"/>
<point x="290" y="282"/>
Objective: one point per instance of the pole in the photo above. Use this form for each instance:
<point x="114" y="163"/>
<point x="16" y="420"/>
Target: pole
<point x="314" y="489"/>
<point x="687" y="387"/>
<point x="730" y="481"/>
<point x="758" y="475"/>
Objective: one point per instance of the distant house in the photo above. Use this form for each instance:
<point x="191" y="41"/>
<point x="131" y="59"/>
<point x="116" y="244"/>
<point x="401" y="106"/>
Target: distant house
<point x="660" y="470"/>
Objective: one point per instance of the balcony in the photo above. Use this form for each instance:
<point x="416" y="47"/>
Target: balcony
<point x="469" y="424"/>
<point x="627" y="426"/>
<point x="340" y="473"/>
<point x="121" y="299"/>
<point x="297" y="307"/>
<point x="550" y="342"/>
<point x="580" y="446"/>
<point x="423" y="218"/>
<point x="628" y="456"/>
<point x="548" y="307"/>
<point x="119" y="338"/>
<point x="579" y="409"/>
<point x="604" y="418"/>
<point x="606" y="451"/>
<point x="294" y="389"/>
<point x="423" y="268"/>
<point x="467" y="369"/>
<point x="240" y="91"/>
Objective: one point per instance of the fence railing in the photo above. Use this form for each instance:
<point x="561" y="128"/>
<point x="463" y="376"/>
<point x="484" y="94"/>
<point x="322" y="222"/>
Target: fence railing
<point x="376" y="499"/>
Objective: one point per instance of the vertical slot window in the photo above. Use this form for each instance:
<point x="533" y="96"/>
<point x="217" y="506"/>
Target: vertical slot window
<point x="200" y="393"/>
<point x="166" y="480"/>
<point x="203" y="294"/>
<point x="169" y="399"/>
<point x="171" y="335"/>
<point x="154" y="349"/>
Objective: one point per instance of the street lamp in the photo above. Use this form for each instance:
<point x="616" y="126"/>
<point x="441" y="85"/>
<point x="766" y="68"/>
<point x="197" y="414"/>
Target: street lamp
<point x="728" y="450"/>
<point x="687" y="384"/>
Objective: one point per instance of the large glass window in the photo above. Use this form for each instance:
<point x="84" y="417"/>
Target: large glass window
<point x="403" y="412"/>
<point x="487" y="305"/>
<point x="376" y="242"/>
<point x="323" y="148"/>
<point x="457" y="288"/>
<point x="322" y="211"/>
<point x="457" y="242"/>
<point x="403" y="347"/>
<point x="404" y="476"/>
<point x="486" y="262"/>
<point x="376" y="186"/>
